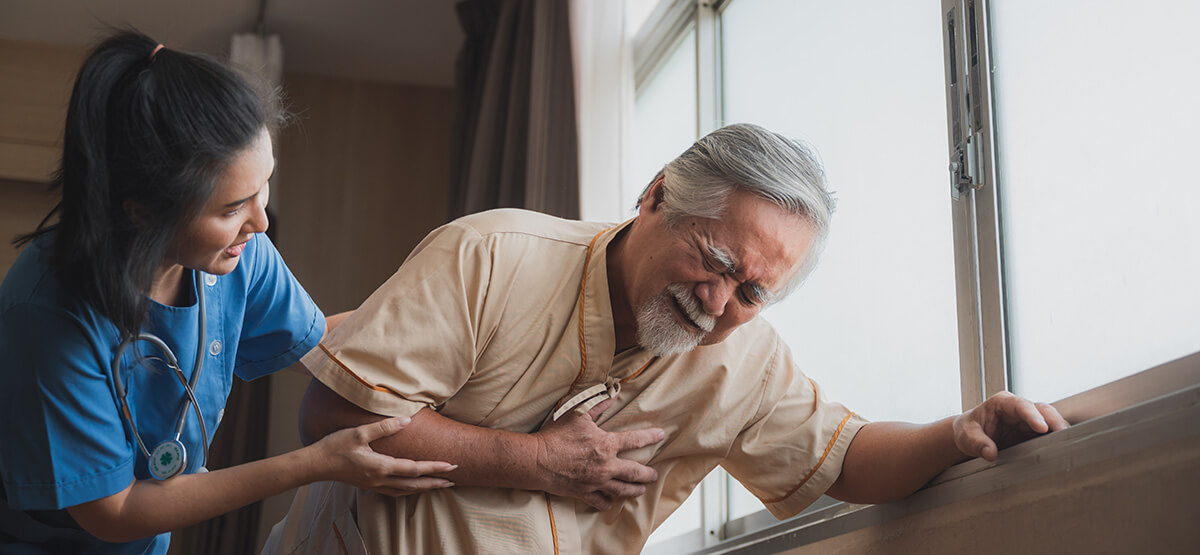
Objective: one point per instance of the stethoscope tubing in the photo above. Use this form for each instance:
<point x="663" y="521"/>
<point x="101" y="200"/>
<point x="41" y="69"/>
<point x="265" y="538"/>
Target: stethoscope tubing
<point x="189" y="386"/>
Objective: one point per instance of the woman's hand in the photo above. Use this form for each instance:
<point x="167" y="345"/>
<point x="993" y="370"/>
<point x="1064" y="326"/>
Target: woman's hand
<point x="347" y="456"/>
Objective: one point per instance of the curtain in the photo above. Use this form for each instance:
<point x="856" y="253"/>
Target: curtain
<point x="514" y="139"/>
<point x="604" y="100"/>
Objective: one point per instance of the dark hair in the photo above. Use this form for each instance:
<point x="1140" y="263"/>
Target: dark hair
<point x="150" y="129"/>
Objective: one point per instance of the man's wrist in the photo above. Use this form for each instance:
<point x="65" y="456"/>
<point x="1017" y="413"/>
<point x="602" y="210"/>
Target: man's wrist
<point x="527" y="452"/>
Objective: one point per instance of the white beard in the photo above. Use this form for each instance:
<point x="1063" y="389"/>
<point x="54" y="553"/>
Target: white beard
<point x="659" y="332"/>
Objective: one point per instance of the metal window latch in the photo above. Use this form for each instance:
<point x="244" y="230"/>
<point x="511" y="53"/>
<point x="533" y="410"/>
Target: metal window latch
<point x="964" y="167"/>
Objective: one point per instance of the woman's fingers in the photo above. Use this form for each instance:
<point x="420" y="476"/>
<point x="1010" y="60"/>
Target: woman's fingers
<point x="381" y="429"/>
<point x="412" y="469"/>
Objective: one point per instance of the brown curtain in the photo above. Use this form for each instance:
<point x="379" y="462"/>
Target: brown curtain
<point x="514" y="139"/>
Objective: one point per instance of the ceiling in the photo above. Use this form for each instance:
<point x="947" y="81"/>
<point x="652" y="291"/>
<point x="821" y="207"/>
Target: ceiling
<point x="400" y="41"/>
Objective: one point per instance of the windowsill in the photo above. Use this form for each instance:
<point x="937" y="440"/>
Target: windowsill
<point x="1121" y="418"/>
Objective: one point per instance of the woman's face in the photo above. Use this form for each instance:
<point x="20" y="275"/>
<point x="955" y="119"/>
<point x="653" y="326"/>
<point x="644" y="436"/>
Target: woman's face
<point x="214" y="241"/>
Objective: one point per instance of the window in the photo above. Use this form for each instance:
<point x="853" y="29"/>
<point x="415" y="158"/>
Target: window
<point x="664" y="117"/>
<point x="1059" y="252"/>
<point x="1101" y="223"/>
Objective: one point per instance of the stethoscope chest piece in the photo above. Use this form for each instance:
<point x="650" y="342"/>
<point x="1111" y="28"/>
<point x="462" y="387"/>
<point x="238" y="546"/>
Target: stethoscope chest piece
<point x="167" y="459"/>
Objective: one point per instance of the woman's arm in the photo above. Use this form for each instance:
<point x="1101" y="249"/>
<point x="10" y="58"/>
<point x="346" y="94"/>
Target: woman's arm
<point x="150" y="507"/>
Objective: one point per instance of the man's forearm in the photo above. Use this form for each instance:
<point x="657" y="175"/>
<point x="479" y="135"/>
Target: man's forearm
<point x="890" y="460"/>
<point x="485" y="456"/>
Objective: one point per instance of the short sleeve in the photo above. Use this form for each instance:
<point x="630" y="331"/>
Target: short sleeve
<point x="281" y="321"/>
<point x="792" y="453"/>
<point x="412" y="344"/>
<point x="64" y="442"/>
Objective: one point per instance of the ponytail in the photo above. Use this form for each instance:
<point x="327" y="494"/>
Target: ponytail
<point x="149" y="131"/>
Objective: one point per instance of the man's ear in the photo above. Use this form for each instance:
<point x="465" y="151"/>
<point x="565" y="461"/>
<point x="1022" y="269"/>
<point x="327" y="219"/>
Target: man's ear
<point x="653" y="199"/>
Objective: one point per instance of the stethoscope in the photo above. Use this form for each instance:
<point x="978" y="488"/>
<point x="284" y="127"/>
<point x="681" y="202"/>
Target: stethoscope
<point x="168" y="458"/>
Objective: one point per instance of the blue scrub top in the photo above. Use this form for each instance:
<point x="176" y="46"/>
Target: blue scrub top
<point x="64" y="441"/>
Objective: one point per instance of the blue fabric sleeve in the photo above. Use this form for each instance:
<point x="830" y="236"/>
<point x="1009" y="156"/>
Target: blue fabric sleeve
<point x="282" y="322"/>
<point x="64" y="442"/>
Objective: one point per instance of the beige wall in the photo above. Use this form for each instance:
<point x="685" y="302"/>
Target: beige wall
<point x="35" y="85"/>
<point x="361" y="179"/>
<point x="23" y="204"/>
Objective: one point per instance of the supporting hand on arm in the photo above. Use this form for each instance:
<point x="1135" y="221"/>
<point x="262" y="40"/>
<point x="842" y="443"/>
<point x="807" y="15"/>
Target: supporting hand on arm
<point x="571" y="457"/>
<point x="149" y="507"/>
<point x="890" y="460"/>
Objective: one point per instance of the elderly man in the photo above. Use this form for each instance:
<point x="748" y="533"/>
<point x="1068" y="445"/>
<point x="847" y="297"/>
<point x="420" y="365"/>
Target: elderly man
<point x="532" y="351"/>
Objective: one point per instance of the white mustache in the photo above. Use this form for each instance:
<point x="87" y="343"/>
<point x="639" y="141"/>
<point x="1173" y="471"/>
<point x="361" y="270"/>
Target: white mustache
<point x="691" y="307"/>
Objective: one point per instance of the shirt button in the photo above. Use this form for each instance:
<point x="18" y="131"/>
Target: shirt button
<point x="210" y="280"/>
<point x="214" y="348"/>
<point x="220" y="416"/>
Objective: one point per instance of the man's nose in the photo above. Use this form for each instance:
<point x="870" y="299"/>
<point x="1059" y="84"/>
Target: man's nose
<point x="714" y="294"/>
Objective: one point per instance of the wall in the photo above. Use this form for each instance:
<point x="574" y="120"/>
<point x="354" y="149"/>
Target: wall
<point x="35" y="85"/>
<point x="361" y="179"/>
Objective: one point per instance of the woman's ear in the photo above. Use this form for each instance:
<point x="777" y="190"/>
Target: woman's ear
<point x="136" y="212"/>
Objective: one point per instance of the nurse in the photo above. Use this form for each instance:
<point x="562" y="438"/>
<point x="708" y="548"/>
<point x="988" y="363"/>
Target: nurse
<point x="158" y="238"/>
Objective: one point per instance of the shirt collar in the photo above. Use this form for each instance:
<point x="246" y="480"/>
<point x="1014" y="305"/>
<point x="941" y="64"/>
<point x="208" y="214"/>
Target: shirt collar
<point x="597" y="334"/>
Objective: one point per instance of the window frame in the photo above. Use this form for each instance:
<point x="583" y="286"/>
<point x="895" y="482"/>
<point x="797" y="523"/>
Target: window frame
<point x="975" y="199"/>
<point x="975" y="191"/>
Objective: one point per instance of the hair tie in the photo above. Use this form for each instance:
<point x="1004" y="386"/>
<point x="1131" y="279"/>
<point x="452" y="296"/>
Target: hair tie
<point x="156" y="49"/>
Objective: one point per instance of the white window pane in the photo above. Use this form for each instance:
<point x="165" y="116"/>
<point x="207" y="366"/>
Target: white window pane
<point x="741" y="501"/>
<point x="1097" y="119"/>
<point x="686" y="519"/>
<point x="664" y="117"/>
<point x="862" y="82"/>
<point x="636" y="12"/>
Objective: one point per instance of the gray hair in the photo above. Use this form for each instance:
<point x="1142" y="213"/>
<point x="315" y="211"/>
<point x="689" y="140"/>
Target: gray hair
<point x="783" y="171"/>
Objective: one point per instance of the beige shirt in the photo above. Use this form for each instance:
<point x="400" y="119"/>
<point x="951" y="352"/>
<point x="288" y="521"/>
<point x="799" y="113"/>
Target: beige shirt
<point x="498" y="319"/>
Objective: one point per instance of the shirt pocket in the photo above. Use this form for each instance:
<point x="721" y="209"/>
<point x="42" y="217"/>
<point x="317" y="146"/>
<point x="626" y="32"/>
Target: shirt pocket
<point x="345" y="537"/>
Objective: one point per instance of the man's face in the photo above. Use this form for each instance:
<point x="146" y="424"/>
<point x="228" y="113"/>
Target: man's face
<point x="696" y="281"/>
